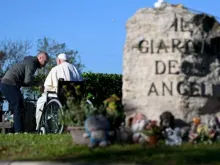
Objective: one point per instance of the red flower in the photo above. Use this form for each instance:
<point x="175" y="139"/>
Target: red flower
<point x="154" y="122"/>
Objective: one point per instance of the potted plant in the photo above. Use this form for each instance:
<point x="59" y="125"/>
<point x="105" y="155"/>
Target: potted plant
<point x="114" y="111"/>
<point x="74" y="116"/>
<point x="153" y="132"/>
<point x="76" y="110"/>
<point x="205" y="135"/>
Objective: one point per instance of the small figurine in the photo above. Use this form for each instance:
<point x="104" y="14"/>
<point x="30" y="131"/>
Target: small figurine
<point x="193" y="134"/>
<point x="173" y="137"/>
<point x="196" y="120"/>
<point x="138" y="122"/>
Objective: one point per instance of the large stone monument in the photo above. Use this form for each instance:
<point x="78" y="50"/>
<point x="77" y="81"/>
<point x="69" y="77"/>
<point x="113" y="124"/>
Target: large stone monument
<point x="171" y="63"/>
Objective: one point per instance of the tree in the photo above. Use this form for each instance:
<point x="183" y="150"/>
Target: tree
<point x="53" y="48"/>
<point x="2" y="55"/>
<point x="12" y="52"/>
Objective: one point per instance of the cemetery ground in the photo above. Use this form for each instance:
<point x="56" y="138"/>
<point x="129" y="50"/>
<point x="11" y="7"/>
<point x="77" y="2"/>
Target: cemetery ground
<point x="33" y="147"/>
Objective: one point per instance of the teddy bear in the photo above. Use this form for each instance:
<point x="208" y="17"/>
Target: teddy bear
<point x="97" y="128"/>
<point x="167" y="120"/>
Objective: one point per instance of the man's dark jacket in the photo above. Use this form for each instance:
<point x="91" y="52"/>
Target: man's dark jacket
<point x="21" y="74"/>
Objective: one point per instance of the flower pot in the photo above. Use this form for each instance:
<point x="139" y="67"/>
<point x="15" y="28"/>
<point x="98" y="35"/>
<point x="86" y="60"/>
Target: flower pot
<point x="152" y="140"/>
<point x="77" y="135"/>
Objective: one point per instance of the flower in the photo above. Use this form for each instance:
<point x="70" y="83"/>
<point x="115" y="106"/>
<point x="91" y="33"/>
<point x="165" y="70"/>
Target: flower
<point x="152" y="129"/>
<point x="202" y="129"/>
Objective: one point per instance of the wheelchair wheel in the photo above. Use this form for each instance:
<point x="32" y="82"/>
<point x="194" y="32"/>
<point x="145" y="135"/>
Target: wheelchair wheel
<point x="42" y="130"/>
<point x="49" y="122"/>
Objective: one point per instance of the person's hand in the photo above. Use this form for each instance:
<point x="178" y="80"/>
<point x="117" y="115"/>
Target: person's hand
<point x="38" y="82"/>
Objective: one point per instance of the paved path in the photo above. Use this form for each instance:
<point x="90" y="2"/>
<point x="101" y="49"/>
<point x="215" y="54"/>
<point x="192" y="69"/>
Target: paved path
<point x="49" y="163"/>
<point x="37" y="163"/>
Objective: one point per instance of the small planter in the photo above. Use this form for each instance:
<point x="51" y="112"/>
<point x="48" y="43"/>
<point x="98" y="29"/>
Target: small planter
<point x="77" y="135"/>
<point x="152" y="140"/>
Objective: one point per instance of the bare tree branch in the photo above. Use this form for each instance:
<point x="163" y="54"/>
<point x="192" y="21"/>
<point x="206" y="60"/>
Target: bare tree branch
<point x="14" y="51"/>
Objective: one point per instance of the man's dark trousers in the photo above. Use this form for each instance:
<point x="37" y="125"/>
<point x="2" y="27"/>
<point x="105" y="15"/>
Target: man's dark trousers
<point x="13" y="95"/>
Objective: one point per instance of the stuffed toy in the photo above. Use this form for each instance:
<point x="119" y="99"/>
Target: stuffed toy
<point x="97" y="128"/>
<point x="137" y="123"/>
<point x="214" y="127"/>
<point x="213" y="122"/>
<point x="173" y="136"/>
<point x="167" y="120"/>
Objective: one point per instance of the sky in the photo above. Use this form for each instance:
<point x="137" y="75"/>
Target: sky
<point x="95" y="28"/>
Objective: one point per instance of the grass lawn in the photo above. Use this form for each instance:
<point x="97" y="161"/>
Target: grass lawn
<point x="61" y="148"/>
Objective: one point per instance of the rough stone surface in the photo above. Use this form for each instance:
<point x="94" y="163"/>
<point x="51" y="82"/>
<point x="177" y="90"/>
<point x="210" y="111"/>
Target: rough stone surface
<point x="171" y="62"/>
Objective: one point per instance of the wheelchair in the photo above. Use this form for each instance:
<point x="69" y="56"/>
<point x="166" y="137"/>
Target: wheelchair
<point x="49" y="121"/>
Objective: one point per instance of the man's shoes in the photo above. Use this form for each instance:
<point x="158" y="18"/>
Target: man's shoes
<point x="16" y="133"/>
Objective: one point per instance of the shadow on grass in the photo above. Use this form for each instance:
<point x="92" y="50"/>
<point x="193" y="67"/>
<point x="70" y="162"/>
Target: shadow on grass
<point x="146" y="155"/>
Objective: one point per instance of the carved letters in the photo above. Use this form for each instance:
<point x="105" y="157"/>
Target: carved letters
<point x="183" y="88"/>
<point x="171" y="67"/>
<point x="180" y="25"/>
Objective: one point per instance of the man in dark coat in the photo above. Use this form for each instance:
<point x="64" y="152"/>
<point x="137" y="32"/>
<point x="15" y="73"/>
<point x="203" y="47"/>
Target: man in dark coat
<point x="21" y="75"/>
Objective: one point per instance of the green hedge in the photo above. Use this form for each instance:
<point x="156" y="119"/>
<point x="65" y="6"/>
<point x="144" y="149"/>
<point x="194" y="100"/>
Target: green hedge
<point x="103" y="85"/>
<point x="100" y="85"/>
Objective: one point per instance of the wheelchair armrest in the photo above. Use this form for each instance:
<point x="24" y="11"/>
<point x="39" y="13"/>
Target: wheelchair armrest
<point x="49" y="92"/>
